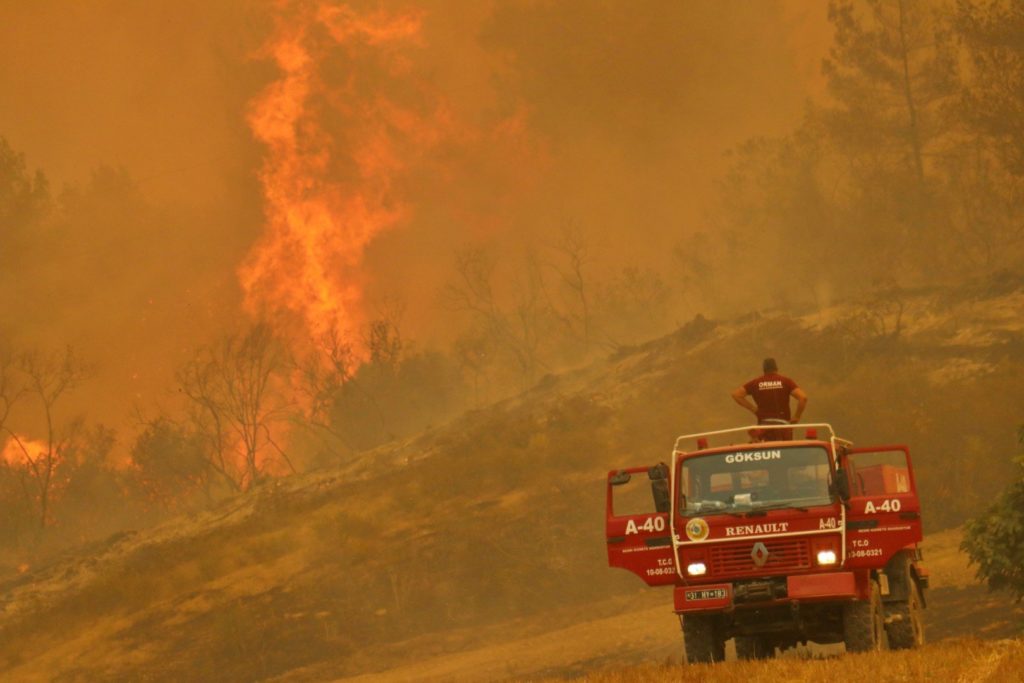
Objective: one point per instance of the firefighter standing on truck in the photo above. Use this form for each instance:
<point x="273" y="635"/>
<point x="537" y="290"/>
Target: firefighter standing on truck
<point x="771" y="393"/>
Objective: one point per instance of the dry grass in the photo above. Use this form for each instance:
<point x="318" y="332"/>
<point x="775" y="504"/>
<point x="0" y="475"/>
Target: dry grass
<point x="948" y="565"/>
<point x="965" y="660"/>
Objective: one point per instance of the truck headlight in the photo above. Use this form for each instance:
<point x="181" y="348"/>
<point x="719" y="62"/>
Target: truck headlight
<point x="826" y="557"/>
<point x="696" y="569"/>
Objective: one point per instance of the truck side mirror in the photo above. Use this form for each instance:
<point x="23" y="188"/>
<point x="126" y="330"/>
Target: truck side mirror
<point x="841" y="484"/>
<point x="659" y="471"/>
<point x="659" y="487"/>
<point x="662" y="499"/>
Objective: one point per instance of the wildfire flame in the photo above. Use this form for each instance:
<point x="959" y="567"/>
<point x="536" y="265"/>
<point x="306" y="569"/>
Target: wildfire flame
<point x="17" y="450"/>
<point x="335" y="146"/>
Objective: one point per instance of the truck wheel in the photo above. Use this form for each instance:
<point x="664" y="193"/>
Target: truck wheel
<point x="701" y="639"/>
<point x="753" y="647"/>
<point x="907" y="628"/>
<point x="864" y="623"/>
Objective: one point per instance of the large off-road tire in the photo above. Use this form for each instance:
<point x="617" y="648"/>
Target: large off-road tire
<point x="864" y="623"/>
<point x="907" y="628"/>
<point x="701" y="639"/>
<point x="754" y="647"/>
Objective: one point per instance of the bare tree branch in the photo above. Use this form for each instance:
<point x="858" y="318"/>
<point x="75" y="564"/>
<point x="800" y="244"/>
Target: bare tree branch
<point x="50" y="376"/>
<point x="233" y="402"/>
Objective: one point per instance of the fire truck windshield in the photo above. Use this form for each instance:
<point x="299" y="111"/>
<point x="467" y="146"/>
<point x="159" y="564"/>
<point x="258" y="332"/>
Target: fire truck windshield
<point x="753" y="478"/>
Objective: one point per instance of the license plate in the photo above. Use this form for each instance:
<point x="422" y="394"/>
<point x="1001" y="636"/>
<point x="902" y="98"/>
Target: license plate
<point x="708" y="594"/>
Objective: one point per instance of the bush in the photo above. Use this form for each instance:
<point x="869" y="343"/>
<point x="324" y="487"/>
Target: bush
<point x="995" y="540"/>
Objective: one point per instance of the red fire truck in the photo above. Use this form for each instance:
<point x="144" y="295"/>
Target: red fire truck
<point x="776" y="542"/>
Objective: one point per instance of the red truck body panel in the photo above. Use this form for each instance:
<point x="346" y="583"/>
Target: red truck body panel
<point x="880" y="519"/>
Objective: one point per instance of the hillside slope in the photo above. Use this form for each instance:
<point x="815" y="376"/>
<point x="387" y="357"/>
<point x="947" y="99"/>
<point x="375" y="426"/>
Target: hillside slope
<point x="490" y="528"/>
<point x="626" y="645"/>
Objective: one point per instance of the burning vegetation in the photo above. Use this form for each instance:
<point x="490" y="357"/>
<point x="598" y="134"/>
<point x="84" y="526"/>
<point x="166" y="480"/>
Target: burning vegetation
<point x="334" y="153"/>
<point x="390" y="217"/>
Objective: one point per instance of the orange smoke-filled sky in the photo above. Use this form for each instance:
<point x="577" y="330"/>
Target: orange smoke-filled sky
<point x="506" y="120"/>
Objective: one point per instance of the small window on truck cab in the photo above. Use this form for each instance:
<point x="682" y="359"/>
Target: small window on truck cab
<point x="633" y="497"/>
<point x="880" y="473"/>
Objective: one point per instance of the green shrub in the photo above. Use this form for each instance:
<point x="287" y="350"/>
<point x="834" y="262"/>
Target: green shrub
<point x="995" y="539"/>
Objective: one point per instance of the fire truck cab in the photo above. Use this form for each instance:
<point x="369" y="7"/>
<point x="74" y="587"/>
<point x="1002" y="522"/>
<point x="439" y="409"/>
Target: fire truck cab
<point x="776" y="542"/>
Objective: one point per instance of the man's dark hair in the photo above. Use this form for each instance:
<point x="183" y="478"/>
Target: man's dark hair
<point x="769" y="365"/>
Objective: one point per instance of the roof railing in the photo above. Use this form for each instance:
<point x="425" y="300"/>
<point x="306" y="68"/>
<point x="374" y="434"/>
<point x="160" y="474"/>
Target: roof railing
<point x="765" y="427"/>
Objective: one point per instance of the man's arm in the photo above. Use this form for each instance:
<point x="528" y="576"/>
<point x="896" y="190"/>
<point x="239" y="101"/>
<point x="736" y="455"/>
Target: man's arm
<point x="740" y="396"/>
<point x="801" y="402"/>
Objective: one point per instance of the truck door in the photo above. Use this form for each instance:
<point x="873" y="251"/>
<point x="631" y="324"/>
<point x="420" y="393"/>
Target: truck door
<point x="636" y="523"/>
<point x="884" y="514"/>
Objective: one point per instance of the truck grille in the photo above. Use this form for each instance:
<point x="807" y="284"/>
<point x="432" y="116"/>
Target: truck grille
<point x="735" y="559"/>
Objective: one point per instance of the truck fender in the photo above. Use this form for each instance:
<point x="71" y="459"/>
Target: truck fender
<point x="899" y="571"/>
<point x="922" y="583"/>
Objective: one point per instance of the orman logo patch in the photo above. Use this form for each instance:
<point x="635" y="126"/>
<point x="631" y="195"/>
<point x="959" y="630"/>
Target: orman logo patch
<point x="697" y="529"/>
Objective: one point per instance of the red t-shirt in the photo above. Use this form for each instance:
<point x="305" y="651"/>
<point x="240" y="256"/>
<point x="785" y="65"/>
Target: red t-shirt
<point x="771" y="394"/>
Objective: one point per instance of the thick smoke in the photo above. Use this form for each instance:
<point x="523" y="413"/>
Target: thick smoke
<point x="611" y="118"/>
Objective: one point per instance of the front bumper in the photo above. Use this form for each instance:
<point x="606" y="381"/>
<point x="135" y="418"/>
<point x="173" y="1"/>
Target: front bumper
<point x="801" y="587"/>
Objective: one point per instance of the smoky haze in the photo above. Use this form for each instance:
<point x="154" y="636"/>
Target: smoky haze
<point x="613" y="119"/>
<point x="450" y="262"/>
<point x="134" y="114"/>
